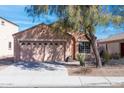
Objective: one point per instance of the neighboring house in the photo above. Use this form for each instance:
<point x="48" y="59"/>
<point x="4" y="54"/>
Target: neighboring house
<point x="41" y="43"/>
<point x="7" y="28"/>
<point x="113" y="44"/>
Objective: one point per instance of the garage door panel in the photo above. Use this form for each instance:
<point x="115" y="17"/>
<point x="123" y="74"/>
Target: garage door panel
<point x="50" y="52"/>
<point x="38" y="52"/>
<point x="42" y="51"/>
<point x="35" y="52"/>
<point x="25" y="53"/>
<point x="58" y="52"/>
<point x="61" y="53"/>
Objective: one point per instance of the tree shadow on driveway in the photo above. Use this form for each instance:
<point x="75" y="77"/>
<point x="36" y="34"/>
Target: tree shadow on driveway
<point x="51" y="66"/>
<point x="6" y="61"/>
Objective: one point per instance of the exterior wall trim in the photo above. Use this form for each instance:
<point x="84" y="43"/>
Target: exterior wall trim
<point x="42" y="40"/>
<point x="9" y="21"/>
<point x="82" y="40"/>
<point x="112" y="41"/>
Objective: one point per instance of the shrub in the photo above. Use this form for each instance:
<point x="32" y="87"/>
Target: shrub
<point x="81" y="59"/>
<point x="106" y="56"/>
<point x="115" y="56"/>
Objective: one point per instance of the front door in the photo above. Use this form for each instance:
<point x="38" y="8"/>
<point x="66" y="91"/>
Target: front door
<point x="122" y="49"/>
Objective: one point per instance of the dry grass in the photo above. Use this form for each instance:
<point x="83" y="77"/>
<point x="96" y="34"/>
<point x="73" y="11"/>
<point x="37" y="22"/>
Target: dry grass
<point x="92" y="71"/>
<point x="112" y="68"/>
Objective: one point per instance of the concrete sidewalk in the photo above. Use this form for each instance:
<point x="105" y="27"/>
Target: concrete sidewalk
<point x="51" y="75"/>
<point x="60" y="81"/>
<point x="102" y="81"/>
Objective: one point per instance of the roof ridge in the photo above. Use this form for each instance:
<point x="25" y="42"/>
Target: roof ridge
<point x="32" y="27"/>
<point x="9" y="21"/>
<point x="116" y="34"/>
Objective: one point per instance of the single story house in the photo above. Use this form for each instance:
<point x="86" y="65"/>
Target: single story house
<point x="7" y="29"/>
<point x="113" y="44"/>
<point x="41" y="43"/>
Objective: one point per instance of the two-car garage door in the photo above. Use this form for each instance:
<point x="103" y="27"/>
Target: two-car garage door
<point x="42" y="51"/>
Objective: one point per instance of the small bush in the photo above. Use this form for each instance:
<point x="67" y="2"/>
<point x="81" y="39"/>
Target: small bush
<point x="115" y="56"/>
<point x="81" y="59"/>
<point x="106" y="56"/>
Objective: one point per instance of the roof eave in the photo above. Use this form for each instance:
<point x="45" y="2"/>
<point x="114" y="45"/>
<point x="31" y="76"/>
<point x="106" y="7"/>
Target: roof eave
<point x="9" y="21"/>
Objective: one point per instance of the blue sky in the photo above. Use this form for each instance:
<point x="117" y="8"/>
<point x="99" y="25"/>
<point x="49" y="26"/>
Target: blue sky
<point x="17" y="15"/>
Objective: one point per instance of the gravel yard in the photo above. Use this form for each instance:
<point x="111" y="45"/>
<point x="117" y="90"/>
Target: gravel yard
<point x="59" y="74"/>
<point x="113" y="68"/>
<point x="112" y="71"/>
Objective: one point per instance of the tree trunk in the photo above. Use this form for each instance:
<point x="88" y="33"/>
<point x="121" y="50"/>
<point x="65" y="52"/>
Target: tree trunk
<point x="93" y="40"/>
<point x="96" y="52"/>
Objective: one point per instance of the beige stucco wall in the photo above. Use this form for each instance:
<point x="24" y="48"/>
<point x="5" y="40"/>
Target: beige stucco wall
<point x="6" y="32"/>
<point x="43" y="33"/>
<point x="69" y="48"/>
<point x="114" y="47"/>
<point x="102" y="46"/>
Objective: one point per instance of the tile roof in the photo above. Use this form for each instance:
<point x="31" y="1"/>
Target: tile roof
<point x="116" y="37"/>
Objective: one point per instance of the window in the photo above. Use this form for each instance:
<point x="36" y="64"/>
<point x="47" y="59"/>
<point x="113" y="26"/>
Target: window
<point x="22" y="43"/>
<point x="56" y="44"/>
<point x="51" y="43"/>
<point x="28" y="43"/>
<point x="10" y="45"/>
<point x="34" y="43"/>
<point x="84" y="47"/>
<point x="40" y="44"/>
<point x="45" y="43"/>
<point x="2" y="22"/>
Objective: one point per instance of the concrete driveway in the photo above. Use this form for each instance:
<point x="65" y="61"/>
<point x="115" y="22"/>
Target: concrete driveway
<point x="30" y="68"/>
<point x="50" y="74"/>
<point x="31" y="74"/>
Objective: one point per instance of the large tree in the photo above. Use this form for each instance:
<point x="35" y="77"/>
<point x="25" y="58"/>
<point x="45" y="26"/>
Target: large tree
<point x="78" y="18"/>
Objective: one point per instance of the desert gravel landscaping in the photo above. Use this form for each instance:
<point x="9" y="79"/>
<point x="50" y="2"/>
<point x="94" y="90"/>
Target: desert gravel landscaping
<point x="59" y="74"/>
<point x="105" y="71"/>
<point x="112" y="68"/>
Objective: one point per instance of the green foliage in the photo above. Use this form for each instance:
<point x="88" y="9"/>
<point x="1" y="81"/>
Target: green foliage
<point x="81" y="59"/>
<point x="36" y="10"/>
<point x="117" y="19"/>
<point x="78" y="18"/>
<point x="106" y="56"/>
